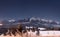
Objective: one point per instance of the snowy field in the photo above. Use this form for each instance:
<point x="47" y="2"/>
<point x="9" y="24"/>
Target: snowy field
<point x="33" y="34"/>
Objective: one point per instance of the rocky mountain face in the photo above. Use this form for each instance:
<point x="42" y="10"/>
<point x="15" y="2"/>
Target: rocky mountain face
<point x="34" y="22"/>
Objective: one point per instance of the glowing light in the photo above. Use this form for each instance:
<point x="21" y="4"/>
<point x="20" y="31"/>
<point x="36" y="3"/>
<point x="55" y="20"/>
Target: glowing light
<point x="41" y="28"/>
<point x="1" y="24"/>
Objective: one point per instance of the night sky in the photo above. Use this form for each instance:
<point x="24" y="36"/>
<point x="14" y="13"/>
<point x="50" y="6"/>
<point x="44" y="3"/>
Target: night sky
<point x="16" y="9"/>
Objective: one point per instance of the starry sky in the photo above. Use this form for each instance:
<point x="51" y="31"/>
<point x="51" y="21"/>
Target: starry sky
<point x="16" y="9"/>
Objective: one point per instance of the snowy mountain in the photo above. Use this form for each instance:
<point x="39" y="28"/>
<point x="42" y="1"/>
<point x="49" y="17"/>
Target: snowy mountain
<point x="34" y="22"/>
